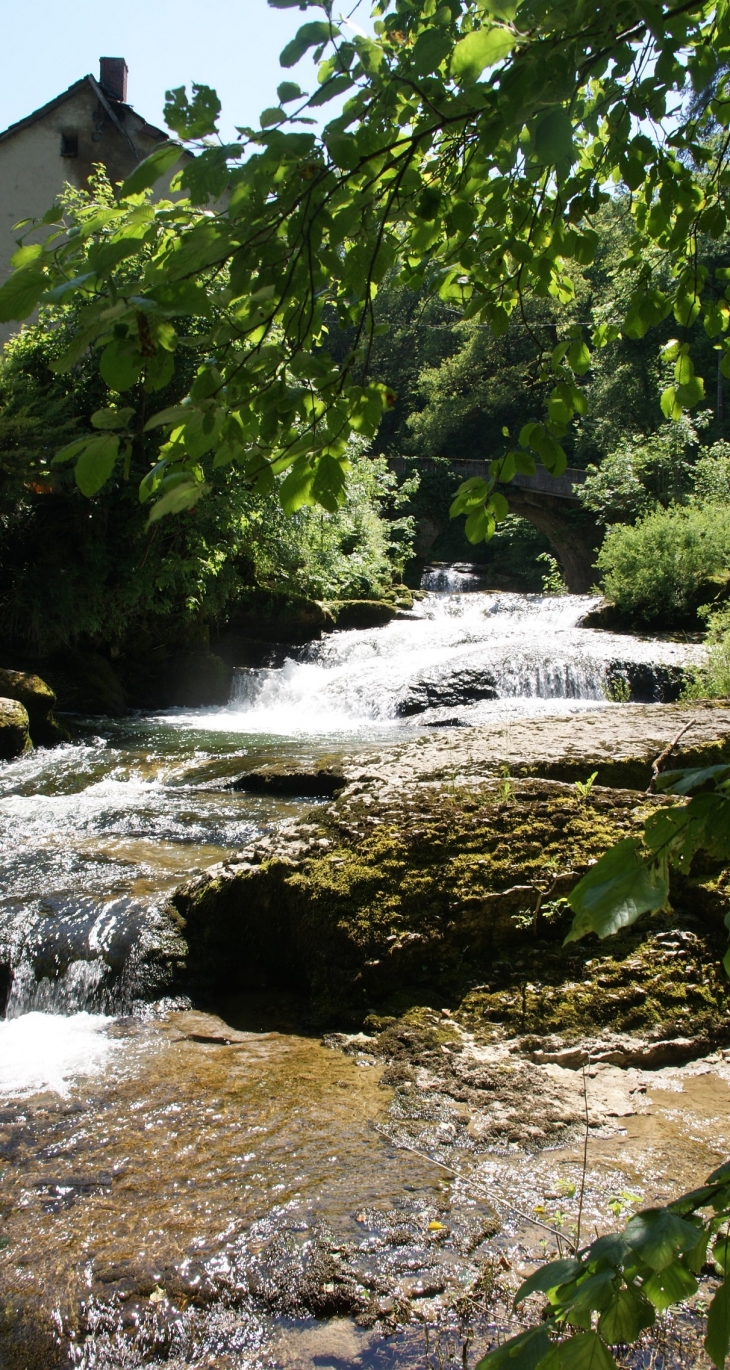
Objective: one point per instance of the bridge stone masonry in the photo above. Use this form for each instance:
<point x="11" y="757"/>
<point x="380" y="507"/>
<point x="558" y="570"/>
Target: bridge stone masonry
<point x="550" y="503"/>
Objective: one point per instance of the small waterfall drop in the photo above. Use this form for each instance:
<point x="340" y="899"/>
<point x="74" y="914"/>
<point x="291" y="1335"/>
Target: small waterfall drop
<point x="481" y="654"/>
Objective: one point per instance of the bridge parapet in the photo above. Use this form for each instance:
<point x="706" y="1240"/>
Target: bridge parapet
<point x="542" y="483"/>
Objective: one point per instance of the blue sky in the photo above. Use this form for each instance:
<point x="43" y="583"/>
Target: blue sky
<point x="233" y="45"/>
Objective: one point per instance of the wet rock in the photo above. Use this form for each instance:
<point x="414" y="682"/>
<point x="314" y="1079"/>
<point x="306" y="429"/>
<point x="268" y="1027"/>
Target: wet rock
<point x="604" y="615"/>
<point x="621" y="747"/>
<point x="86" y="683"/>
<point x="14" y="729"/>
<point x="84" y="953"/>
<point x="192" y="679"/>
<point x="642" y="1053"/>
<point x="449" y="690"/>
<point x="646" y="683"/>
<point x="39" y="701"/>
<point x="322" y="782"/>
<point x="457" y="896"/>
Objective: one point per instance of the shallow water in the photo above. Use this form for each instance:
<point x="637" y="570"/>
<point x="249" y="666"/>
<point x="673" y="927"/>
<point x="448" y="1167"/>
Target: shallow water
<point x="151" y="1172"/>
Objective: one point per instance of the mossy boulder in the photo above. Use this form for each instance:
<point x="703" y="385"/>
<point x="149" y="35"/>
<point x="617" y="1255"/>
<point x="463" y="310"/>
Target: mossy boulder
<point x="448" y="897"/>
<point x="363" y="613"/>
<point x="39" y="700"/>
<point x="276" y="616"/>
<point x="14" y="729"/>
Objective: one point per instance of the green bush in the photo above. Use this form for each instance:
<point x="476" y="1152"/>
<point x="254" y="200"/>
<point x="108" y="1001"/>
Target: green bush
<point x="712" y="681"/>
<point x="660" y="570"/>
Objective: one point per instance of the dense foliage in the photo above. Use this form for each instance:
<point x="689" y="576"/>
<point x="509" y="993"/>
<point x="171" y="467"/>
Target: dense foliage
<point x="471" y="158"/>
<point x="76" y="570"/>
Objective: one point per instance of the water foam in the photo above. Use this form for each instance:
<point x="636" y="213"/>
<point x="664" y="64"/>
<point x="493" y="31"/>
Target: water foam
<point x="45" y="1051"/>
<point x="453" y="651"/>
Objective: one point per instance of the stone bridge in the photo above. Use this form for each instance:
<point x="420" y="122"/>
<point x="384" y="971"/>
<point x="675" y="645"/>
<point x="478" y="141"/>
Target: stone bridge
<point x="550" y="503"/>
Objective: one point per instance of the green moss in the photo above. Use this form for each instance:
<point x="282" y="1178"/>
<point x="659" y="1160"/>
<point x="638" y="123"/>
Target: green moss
<point x="432" y="900"/>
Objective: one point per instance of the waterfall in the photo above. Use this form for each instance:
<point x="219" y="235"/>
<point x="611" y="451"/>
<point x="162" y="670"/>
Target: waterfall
<point x="474" y="652"/>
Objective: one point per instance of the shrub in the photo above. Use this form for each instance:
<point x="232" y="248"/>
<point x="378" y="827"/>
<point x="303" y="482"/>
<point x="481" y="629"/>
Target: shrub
<point x="657" y="571"/>
<point x="712" y="681"/>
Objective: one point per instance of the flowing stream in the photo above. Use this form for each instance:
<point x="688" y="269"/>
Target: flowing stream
<point x="135" y="1144"/>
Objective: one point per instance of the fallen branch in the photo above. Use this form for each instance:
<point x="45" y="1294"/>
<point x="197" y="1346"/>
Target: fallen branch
<point x="665" y="755"/>
<point x="479" y="1184"/>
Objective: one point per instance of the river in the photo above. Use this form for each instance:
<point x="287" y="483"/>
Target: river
<point x="163" y="1184"/>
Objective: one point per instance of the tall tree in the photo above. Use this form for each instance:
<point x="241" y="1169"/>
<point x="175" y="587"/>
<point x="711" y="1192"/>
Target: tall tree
<point x="477" y="143"/>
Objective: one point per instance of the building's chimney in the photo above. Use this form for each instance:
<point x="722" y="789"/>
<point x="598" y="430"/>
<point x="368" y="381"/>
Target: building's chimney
<point x="113" y="73"/>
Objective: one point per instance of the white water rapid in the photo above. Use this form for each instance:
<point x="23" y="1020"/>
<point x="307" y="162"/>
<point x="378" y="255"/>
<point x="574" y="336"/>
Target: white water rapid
<point x="457" y="657"/>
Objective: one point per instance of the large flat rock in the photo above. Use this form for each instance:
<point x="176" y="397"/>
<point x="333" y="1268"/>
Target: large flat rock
<point x="620" y="742"/>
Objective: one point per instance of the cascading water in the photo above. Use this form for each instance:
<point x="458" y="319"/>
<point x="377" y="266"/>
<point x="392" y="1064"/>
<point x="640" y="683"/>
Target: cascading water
<point x="477" y="654"/>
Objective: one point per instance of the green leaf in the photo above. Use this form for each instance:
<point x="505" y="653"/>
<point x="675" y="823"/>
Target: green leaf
<point x="657" y="1235"/>
<point x="309" y="36"/>
<point x="288" y="91"/>
<point x="670" y="1285"/>
<point x="335" y="86"/>
<point x="70" y="451"/>
<point x="579" y="358"/>
<point x="111" y="418"/>
<point x="296" y="490"/>
<point x="524" y="1352"/>
<point x="683" y="782"/>
<point x="717" y="1340"/>
<point x="432" y="46"/>
<point x="21" y="293"/>
<point x="615" y="892"/>
<point x="272" y="116"/>
<point x="151" y="169"/>
<point x="175" y="501"/>
<point x="25" y="256"/>
<point x="586" y="1351"/>
<point x="194" y="118"/>
<point x="691" y="392"/>
<point x="547" y="1277"/>
<point x="478" y="50"/>
<point x="175" y="413"/>
<point x="626" y="1316"/>
<point x="329" y="484"/>
<point x="343" y="149"/>
<point x="96" y="463"/>
<point x="670" y="405"/>
<point x="553" y="138"/>
<point x="120" y="365"/>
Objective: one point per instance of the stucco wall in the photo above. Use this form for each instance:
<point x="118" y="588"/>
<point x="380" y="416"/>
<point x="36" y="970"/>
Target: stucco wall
<point x="33" y="172"/>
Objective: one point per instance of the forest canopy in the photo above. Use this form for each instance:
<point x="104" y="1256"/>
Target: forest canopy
<point x="477" y="144"/>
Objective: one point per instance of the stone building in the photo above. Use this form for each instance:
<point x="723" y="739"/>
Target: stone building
<point x="60" y="142"/>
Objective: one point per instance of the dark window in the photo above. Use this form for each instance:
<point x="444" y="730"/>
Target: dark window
<point x="70" y="144"/>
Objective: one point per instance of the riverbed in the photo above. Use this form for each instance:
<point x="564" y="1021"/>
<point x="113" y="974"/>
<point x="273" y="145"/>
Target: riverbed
<point x="198" y="1189"/>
